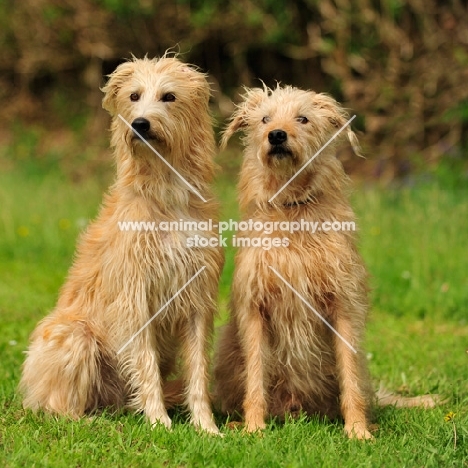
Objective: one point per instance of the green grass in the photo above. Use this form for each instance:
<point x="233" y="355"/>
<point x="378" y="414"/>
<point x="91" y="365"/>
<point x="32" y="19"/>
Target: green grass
<point x="414" y="243"/>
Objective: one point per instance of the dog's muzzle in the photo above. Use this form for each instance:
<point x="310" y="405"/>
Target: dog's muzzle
<point x="141" y="127"/>
<point x="278" y="140"/>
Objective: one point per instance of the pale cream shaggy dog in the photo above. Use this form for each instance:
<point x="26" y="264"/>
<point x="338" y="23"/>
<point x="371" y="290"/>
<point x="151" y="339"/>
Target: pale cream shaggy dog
<point x="81" y="357"/>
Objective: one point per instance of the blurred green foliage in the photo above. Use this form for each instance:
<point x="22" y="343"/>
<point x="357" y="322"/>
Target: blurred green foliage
<point x="401" y="66"/>
<point x="123" y="8"/>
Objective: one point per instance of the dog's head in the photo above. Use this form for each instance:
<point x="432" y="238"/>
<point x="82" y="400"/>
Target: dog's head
<point x="287" y="126"/>
<point x="284" y="129"/>
<point x="162" y="101"/>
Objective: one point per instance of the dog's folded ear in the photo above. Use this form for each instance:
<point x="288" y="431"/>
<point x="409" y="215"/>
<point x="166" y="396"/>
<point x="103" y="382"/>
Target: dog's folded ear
<point x="251" y="99"/>
<point x="353" y="140"/>
<point x="116" y="79"/>
<point x="337" y="116"/>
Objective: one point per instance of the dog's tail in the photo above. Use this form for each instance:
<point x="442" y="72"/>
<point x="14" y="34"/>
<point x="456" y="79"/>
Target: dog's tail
<point x="63" y="371"/>
<point x="386" y="398"/>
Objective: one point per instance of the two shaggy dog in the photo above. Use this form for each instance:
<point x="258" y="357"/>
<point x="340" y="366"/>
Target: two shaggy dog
<point x="138" y="307"/>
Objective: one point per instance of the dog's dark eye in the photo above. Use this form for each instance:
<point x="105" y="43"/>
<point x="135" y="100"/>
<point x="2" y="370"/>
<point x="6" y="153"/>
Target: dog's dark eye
<point x="168" y="97"/>
<point x="303" y="120"/>
<point x="266" y="119"/>
<point x="134" y="97"/>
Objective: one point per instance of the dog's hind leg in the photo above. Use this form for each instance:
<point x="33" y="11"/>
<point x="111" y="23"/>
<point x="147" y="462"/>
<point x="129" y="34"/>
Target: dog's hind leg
<point x="196" y="332"/>
<point x="62" y="370"/>
<point x="229" y="371"/>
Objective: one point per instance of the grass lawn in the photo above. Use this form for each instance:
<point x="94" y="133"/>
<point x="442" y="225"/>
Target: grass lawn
<point x="413" y="239"/>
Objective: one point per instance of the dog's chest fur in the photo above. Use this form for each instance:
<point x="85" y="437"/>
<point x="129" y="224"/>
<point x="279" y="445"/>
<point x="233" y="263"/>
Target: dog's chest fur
<point x="321" y="268"/>
<point x="154" y="264"/>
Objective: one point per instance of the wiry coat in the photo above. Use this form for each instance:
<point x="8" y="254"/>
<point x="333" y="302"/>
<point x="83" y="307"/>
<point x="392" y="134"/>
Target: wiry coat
<point x="81" y="356"/>
<point x="276" y="356"/>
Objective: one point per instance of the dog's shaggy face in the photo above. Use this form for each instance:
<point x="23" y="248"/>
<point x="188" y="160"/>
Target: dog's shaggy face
<point x="284" y="128"/>
<point x="162" y="99"/>
<point x="287" y="125"/>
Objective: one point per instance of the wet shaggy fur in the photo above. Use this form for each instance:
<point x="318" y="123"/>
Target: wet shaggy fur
<point x="275" y="356"/>
<point x="77" y="361"/>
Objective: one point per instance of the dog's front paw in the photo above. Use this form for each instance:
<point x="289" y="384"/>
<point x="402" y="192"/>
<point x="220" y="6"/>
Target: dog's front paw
<point x="358" y="431"/>
<point x="254" y="424"/>
<point x="213" y="431"/>
<point x="207" y="426"/>
<point x="162" y="419"/>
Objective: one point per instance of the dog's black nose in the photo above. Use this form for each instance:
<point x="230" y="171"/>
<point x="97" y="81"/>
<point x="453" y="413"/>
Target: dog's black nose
<point x="276" y="137"/>
<point x="141" y="125"/>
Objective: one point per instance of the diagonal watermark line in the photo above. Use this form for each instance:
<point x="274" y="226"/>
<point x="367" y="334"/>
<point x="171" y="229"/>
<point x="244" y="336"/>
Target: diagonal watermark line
<point x="312" y="309"/>
<point x="312" y="158"/>
<point x="160" y="310"/>
<point x="192" y="188"/>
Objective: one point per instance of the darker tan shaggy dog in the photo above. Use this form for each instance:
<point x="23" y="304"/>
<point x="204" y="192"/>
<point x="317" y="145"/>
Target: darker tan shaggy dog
<point x="298" y="310"/>
<point x="277" y="356"/>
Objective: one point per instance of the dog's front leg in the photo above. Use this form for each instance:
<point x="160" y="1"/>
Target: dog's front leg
<point x="352" y="378"/>
<point x="141" y="364"/>
<point x="195" y="350"/>
<point x="252" y="342"/>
